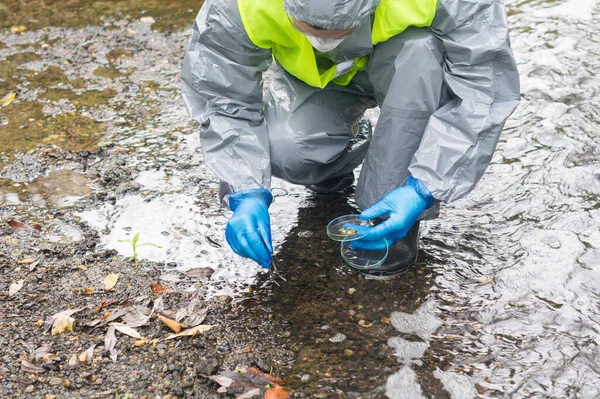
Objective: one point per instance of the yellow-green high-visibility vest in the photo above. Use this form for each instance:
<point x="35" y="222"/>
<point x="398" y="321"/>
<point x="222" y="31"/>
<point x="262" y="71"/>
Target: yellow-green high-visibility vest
<point x="269" y="27"/>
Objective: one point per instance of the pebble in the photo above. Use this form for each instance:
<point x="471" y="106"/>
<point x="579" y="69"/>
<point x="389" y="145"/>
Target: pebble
<point x="339" y="337"/>
<point x="55" y="381"/>
<point x="29" y="389"/>
<point x="207" y="366"/>
<point x="147" y="20"/>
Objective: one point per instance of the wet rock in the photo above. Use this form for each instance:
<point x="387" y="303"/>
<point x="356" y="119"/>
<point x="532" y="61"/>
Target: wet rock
<point x="224" y="348"/>
<point x="262" y="364"/>
<point x="207" y="366"/>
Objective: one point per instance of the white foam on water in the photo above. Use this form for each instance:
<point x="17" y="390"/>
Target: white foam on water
<point x="403" y="385"/>
<point x="574" y="9"/>
<point x="423" y="322"/>
<point x="459" y="386"/>
<point x="408" y="352"/>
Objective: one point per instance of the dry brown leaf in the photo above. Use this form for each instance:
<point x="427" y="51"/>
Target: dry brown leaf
<point x="88" y="291"/>
<point x="26" y="261"/>
<point x="73" y="362"/>
<point x="277" y="393"/>
<point x="271" y="378"/>
<point x="251" y="394"/>
<point x="123" y="329"/>
<point x="49" y="323"/>
<point x="181" y="314"/>
<point x="222" y="380"/>
<point x="33" y="265"/>
<point x="15" y="287"/>
<point x="62" y="324"/>
<point x="191" y="331"/>
<point x="31" y="368"/>
<point x="158" y="306"/>
<point x="159" y="287"/>
<point x="90" y="351"/>
<point x="88" y="354"/>
<point x="110" y="339"/>
<point x="135" y="318"/>
<point x="110" y="281"/>
<point x="113" y="355"/>
<point x="103" y="304"/>
<point x="17" y="225"/>
<point x="172" y="324"/>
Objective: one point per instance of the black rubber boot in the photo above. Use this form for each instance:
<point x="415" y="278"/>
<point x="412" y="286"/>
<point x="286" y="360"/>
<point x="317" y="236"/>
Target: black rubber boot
<point x="333" y="185"/>
<point x="402" y="254"/>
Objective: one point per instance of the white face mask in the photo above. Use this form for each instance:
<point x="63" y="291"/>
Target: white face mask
<point x="324" y="45"/>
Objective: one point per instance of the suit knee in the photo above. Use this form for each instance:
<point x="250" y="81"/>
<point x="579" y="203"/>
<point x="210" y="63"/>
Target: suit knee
<point x="286" y="160"/>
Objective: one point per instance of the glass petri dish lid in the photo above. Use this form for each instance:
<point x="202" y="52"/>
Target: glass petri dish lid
<point x="347" y="228"/>
<point x="362" y="259"/>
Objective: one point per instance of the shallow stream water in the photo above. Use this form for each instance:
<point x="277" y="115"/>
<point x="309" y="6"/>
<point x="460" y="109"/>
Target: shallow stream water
<point x="505" y="298"/>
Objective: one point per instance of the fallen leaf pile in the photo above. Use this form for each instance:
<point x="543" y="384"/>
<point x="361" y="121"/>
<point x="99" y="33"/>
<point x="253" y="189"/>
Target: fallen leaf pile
<point x="248" y="382"/>
<point x="123" y="317"/>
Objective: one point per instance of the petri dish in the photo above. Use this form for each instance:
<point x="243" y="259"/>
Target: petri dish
<point x="338" y="229"/>
<point x="362" y="259"/>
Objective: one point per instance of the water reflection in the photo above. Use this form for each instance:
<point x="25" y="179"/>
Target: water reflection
<point x="519" y="291"/>
<point x="60" y="189"/>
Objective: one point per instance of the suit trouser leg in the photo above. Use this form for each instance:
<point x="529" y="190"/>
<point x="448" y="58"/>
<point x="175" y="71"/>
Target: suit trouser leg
<point x="311" y="130"/>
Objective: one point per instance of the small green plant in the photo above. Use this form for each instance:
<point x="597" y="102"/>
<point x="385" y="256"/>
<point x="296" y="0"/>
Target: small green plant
<point x="134" y="246"/>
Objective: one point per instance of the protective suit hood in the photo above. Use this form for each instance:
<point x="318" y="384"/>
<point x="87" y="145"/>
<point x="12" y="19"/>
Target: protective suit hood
<point x="331" y="14"/>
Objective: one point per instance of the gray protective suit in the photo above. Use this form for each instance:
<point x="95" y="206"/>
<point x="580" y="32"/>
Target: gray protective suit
<point x="445" y="93"/>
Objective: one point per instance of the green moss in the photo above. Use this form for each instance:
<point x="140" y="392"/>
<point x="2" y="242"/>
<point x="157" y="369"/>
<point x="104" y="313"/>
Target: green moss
<point x="88" y="98"/>
<point x="150" y="85"/>
<point x="95" y="97"/>
<point x="28" y="127"/>
<point x="170" y="15"/>
<point x="35" y="46"/>
<point x="57" y="94"/>
<point x="78" y="83"/>
<point x="110" y="72"/>
<point x="118" y="53"/>
<point x="22" y="58"/>
<point x="52" y="76"/>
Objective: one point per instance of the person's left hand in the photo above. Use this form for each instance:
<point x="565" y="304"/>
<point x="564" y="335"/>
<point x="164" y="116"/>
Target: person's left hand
<point x="403" y="206"/>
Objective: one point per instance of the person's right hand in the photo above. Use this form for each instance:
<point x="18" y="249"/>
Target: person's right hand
<point x="248" y="232"/>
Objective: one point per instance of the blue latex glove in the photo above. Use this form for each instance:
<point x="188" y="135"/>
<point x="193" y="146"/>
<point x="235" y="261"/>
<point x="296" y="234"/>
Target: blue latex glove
<point x="403" y="206"/>
<point x="248" y="232"/>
